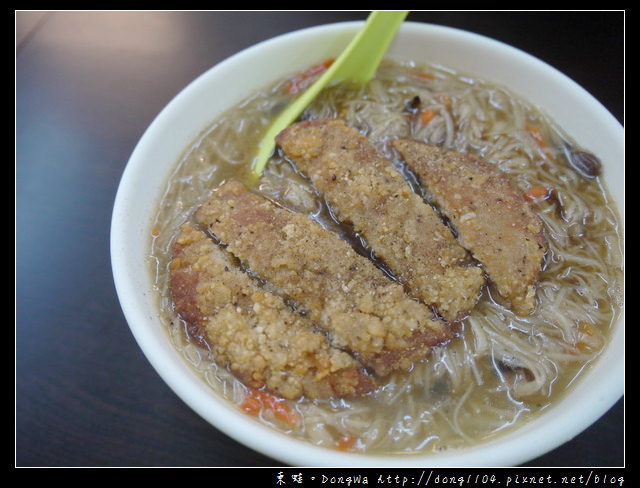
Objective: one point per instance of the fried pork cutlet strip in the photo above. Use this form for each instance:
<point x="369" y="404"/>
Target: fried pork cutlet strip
<point x="251" y="331"/>
<point x="361" y="309"/>
<point x="365" y="191"/>
<point x="492" y="218"/>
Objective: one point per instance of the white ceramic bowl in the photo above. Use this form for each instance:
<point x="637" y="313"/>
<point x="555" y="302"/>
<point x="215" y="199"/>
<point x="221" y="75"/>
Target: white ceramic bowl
<point x="200" y="102"/>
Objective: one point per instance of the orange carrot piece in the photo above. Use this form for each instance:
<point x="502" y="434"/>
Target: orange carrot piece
<point x="427" y="116"/>
<point x="537" y="135"/>
<point x="256" y="400"/>
<point x="279" y="408"/>
<point x="303" y="80"/>
<point x="424" y="76"/>
<point x="252" y="404"/>
<point x="536" y="193"/>
<point x="446" y="100"/>
<point x="346" y="442"/>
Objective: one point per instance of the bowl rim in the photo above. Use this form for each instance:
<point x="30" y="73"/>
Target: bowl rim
<point x="290" y="450"/>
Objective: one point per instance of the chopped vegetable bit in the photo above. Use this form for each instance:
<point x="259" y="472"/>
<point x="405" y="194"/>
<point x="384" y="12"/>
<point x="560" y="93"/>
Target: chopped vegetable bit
<point x="537" y="193"/>
<point x="427" y="116"/>
<point x="256" y="400"/>
<point x="537" y="135"/>
<point x="424" y="76"/>
<point x="346" y="442"/>
<point x="446" y="100"/>
<point x="252" y="405"/>
<point x="585" y="163"/>
<point x="303" y="80"/>
<point x="587" y="339"/>
<point x="413" y="105"/>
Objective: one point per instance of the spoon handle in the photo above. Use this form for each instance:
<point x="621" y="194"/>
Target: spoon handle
<point x="358" y="62"/>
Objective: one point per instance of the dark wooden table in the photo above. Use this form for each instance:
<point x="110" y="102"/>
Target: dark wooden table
<point x="87" y="85"/>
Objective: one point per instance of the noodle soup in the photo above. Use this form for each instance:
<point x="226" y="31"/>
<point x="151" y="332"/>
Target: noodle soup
<point x="501" y="369"/>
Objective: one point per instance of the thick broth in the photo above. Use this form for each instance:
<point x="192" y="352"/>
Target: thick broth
<point x="502" y="369"/>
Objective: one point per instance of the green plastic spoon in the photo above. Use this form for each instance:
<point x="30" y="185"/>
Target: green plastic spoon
<point x="358" y="62"/>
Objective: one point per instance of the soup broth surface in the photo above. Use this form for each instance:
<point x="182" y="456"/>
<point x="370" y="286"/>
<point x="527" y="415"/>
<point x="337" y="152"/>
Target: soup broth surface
<point x="502" y="369"/>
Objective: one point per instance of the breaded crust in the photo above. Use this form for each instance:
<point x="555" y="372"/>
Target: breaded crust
<point x="490" y="215"/>
<point x="361" y="309"/>
<point x="365" y="191"/>
<point x="251" y="331"/>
